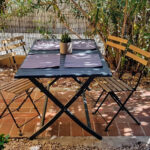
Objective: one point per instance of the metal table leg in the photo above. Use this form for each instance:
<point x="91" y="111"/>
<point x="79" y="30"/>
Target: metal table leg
<point x="85" y="103"/>
<point x="44" y="108"/>
<point x="86" y="110"/>
<point x="46" y="101"/>
<point x="64" y="108"/>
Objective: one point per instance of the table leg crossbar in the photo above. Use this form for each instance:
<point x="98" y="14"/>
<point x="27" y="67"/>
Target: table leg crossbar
<point x="64" y="108"/>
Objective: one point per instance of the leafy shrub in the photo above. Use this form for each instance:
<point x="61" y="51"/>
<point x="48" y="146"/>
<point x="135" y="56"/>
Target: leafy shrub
<point x="3" y="139"/>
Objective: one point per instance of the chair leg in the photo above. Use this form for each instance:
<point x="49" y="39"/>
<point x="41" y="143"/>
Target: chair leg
<point x="98" y="98"/>
<point x="10" y="112"/>
<point x="2" y="114"/>
<point x="25" y="99"/>
<point x="124" y="108"/>
<point x="33" y="103"/>
<point x="7" y="106"/>
<point x="101" y="103"/>
<point x="115" y="97"/>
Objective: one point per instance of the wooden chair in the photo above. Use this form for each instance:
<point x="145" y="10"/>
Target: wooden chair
<point x="117" y="44"/>
<point x="7" y="55"/>
<point x="10" y="44"/>
<point x="18" y="88"/>
<point x="113" y="85"/>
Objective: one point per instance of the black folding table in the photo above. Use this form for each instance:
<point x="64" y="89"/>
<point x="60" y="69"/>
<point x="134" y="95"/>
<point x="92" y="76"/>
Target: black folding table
<point x="59" y="72"/>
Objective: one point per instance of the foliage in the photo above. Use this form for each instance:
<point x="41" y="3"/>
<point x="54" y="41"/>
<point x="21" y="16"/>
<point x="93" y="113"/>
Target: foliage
<point x="65" y="38"/>
<point x="46" y="34"/>
<point x="3" y="139"/>
<point x="123" y="18"/>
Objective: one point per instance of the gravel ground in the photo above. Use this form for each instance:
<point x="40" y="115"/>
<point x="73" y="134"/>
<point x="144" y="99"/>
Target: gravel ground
<point x="70" y="143"/>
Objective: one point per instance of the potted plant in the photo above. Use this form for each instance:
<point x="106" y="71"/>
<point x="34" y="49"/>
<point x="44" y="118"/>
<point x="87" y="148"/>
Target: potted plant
<point x="65" y="44"/>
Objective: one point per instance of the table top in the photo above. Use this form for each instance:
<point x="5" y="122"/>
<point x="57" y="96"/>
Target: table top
<point x="62" y="71"/>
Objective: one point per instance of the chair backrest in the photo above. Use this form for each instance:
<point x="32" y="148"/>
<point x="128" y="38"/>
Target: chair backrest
<point x="4" y="54"/>
<point x="13" y="43"/>
<point x="116" y="42"/>
<point x="2" y="49"/>
<point x="138" y="55"/>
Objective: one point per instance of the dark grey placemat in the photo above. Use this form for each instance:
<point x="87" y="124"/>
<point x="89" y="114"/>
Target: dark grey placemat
<point x="84" y="44"/>
<point x="54" y="45"/>
<point x="83" y="60"/>
<point x="41" y="61"/>
<point x="46" y="45"/>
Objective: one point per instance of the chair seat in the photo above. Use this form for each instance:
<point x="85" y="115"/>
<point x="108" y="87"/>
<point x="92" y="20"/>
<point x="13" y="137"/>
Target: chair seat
<point x="17" y="86"/>
<point x="6" y="56"/>
<point x="110" y="84"/>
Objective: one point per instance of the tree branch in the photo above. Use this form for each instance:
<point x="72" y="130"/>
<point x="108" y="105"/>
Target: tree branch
<point x="92" y="25"/>
<point x="54" y="4"/>
<point x="65" y="23"/>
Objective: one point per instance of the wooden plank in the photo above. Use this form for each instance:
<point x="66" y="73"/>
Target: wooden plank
<point x="11" y="88"/>
<point x="136" y="58"/>
<point x="116" y="45"/>
<point x="6" y="41"/>
<point x="2" y="49"/>
<point x="102" y="85"/>
<point x="118" y="39"/>
<point x="140" y="51"/>
<point x="5" y="56"/>
<point x="13" y="83"/>
<point x="18" y="86"/>
<point x="123" y="88"/>
<point x="113" y="84"/>
<point x="23" y="89"/>
<point x="148" y="64"/>
<point x="15" y="46"/>
<point x="9" y="55"/>
<point x="123" y="84"/>
<point x="108" y="84"/>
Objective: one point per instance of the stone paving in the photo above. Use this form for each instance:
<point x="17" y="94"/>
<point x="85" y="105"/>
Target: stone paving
<point x="139" y="105"/>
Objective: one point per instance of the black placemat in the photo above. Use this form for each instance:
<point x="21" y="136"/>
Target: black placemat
<point x="83" y="60"/>
<point x="54" y="45"/>
<point x="46" y="45"/>
<point x="84" y="44"/>
<point x="41" y="61"/>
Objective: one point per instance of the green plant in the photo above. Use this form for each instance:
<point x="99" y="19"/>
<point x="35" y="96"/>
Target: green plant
<point x="65" y="38"/>
<point x="3" y="139"/>
<point x="128" y="19"/>
<point x="47" y="34"/>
